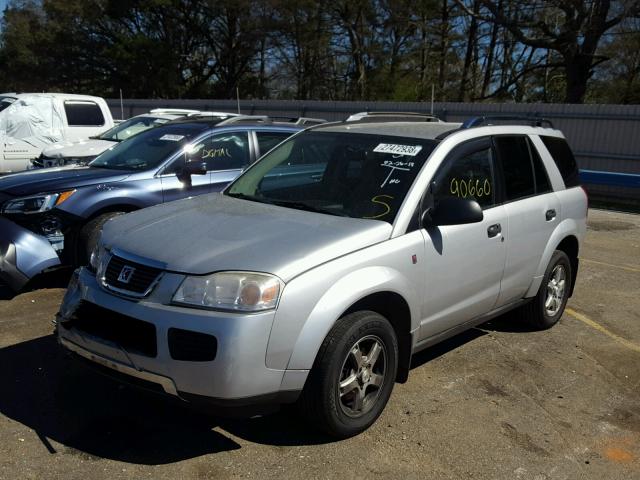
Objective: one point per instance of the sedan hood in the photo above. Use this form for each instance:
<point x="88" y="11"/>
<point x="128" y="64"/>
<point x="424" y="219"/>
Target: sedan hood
<point x="212" y="233"/>
<point x="79" y="149"/>
<point x="56" y="179"/>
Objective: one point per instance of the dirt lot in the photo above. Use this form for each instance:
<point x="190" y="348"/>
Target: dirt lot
<point x="498" y="402"/>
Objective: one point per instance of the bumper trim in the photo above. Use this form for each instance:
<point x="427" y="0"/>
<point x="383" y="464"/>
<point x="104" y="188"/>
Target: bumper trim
<point x="165" y="382"/>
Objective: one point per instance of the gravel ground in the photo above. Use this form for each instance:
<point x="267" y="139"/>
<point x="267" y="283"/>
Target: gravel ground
<point x="498" y="402"/>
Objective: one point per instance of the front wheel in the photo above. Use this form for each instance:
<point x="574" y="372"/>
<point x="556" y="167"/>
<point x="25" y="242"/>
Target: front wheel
<point x="353" y="375"/>
<point x="547" y="306"/>
<point x="89" y="235"/>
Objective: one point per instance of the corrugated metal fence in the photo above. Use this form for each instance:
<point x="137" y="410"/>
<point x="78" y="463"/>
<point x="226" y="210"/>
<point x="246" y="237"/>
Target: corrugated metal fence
<point x="603" y="137"/>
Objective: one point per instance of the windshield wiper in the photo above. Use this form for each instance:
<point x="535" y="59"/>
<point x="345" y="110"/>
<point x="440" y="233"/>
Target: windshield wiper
<point x="307" y="207"/>
<point x="251" y="198"/>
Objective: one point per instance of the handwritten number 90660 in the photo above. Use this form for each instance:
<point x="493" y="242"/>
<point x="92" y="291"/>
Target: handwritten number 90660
<point x="470" y="188"/>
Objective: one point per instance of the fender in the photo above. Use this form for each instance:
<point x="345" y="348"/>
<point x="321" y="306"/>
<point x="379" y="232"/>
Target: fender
<point x="342" y="294"/>
<point x="567" y="227"/>
<point x="87" y="201"/>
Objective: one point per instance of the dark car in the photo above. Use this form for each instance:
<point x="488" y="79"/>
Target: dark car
<point x="52" y="217"/>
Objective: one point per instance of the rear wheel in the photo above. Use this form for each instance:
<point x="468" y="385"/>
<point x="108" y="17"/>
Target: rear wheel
<point x="89" y="235"/>
<point x="353" y="375"/>
<point x="548" y="305"/>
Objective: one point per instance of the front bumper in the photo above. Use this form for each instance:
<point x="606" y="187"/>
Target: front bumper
<point x="23" y="254"/>
<point x="237" y="376"/>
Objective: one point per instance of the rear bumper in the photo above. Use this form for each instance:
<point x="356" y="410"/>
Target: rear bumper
<point x="23" y="254"/>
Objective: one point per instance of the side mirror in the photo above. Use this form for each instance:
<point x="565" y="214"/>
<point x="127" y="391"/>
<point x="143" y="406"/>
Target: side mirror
<point x="191" y="168"/>
<point x="452" y="211"/>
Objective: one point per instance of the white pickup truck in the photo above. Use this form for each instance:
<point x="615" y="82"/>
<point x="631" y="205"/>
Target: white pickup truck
<point x="31" y="121"/>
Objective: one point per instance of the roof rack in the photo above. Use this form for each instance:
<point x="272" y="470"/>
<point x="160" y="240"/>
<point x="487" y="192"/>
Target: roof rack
<point x="174" y="111"/>
<point x="534" y="121"/>
<point x="198" y="113"/>
<point x="271" y="120"/>
<point x="392" y="116"/>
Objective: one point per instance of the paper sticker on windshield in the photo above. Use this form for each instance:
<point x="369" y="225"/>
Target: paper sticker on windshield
<point x="410" y="150"/>
<point x="171" y="138"/>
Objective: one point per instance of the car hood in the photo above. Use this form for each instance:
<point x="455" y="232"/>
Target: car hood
<point x="81" y="148"/>
<point x="55" y="179"/>
<point x="214" y="232"/>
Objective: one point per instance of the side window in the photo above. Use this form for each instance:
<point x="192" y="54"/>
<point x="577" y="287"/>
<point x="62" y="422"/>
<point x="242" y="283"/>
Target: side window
<point x="515" y="159"/>
<point x="468" y="176"/>
<point x="225" y="151"/>
<point x="540" y="172"/>
<point x="83" y="114"/>
<point x="268" y="140"/>
<point x="565" y="161"/>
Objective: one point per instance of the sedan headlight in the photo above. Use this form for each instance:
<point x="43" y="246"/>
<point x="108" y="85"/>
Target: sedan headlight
<point x="36" y="203"/>
<point x="236" y="291"/>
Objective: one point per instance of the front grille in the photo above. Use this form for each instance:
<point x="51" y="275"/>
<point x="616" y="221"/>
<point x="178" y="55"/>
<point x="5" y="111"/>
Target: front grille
<point x="139" y="282"/>
<point x="133" y="335"/>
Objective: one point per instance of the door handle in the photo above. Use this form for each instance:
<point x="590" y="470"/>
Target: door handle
<point x="494" y="230"/>
<point x="550" y="215"/>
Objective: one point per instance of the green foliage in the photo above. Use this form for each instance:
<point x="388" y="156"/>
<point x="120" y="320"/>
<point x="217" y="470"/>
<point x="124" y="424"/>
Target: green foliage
<point x="466" y="50"/>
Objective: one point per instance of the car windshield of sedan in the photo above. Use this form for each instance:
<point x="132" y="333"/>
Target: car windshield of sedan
<point x="131" y="127"/>
<point x="347" y="174"/>
<point x="150" y="148"/>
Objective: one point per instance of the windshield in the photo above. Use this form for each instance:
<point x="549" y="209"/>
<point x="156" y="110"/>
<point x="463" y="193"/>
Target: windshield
<point x="347" y="174"/>
<point x="131" y="127"/>
<point x="5" y="102"/>
<point x="150" y="148"/>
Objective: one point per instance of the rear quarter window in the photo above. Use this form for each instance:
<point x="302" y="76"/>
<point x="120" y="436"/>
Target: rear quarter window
<point x="564" y="159"/>
<point x="83" y="114"/>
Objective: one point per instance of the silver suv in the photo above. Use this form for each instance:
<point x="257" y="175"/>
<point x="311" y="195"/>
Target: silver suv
<point x="317" y="274"/>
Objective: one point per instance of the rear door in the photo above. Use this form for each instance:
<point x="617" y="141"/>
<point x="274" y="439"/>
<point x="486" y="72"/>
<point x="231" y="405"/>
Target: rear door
<point x="533" y="211"/>
<point x="464" y="263"/>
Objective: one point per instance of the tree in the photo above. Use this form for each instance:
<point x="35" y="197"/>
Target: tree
<point x="573" y="29"/>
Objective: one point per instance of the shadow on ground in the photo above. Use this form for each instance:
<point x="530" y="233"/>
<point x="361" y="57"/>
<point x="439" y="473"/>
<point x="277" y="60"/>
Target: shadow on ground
<point x="55" y="279"/>
<point x="94" y="416"/>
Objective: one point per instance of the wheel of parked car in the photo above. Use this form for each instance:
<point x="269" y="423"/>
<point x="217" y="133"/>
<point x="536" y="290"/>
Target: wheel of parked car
<point x="547" y="307"/>
<point x="89" y="235"/>
<point x="353" y="375"/>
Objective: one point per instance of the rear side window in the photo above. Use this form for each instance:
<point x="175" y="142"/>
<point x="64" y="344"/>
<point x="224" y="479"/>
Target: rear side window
<point x="519" y="181"/>
<point x="542" y="179"/>
<point x="268" y="140"/>
<point x="83" y="114"/>
<point x="565" y="161"/>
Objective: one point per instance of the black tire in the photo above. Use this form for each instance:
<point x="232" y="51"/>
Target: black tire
<point x="321" y="402"/>
<point x="89" y="235"/>
<point x="535" y="313"/>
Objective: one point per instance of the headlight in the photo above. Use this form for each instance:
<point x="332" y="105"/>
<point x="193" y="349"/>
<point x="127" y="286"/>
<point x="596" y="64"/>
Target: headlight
<point x="98" y="260"/>
<point x="238" y="291"/>
<point x="36" y="203"/>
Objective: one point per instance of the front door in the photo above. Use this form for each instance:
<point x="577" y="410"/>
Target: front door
<point x="464" y="263"/>
<point x="224" y="153"/>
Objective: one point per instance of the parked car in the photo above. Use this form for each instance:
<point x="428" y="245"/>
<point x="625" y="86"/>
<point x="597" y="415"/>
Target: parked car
<point x="85" y="150"/>
<point x="31" y="121"/>
<point x="318" y="285"/>
<point x="52" y="217"/>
